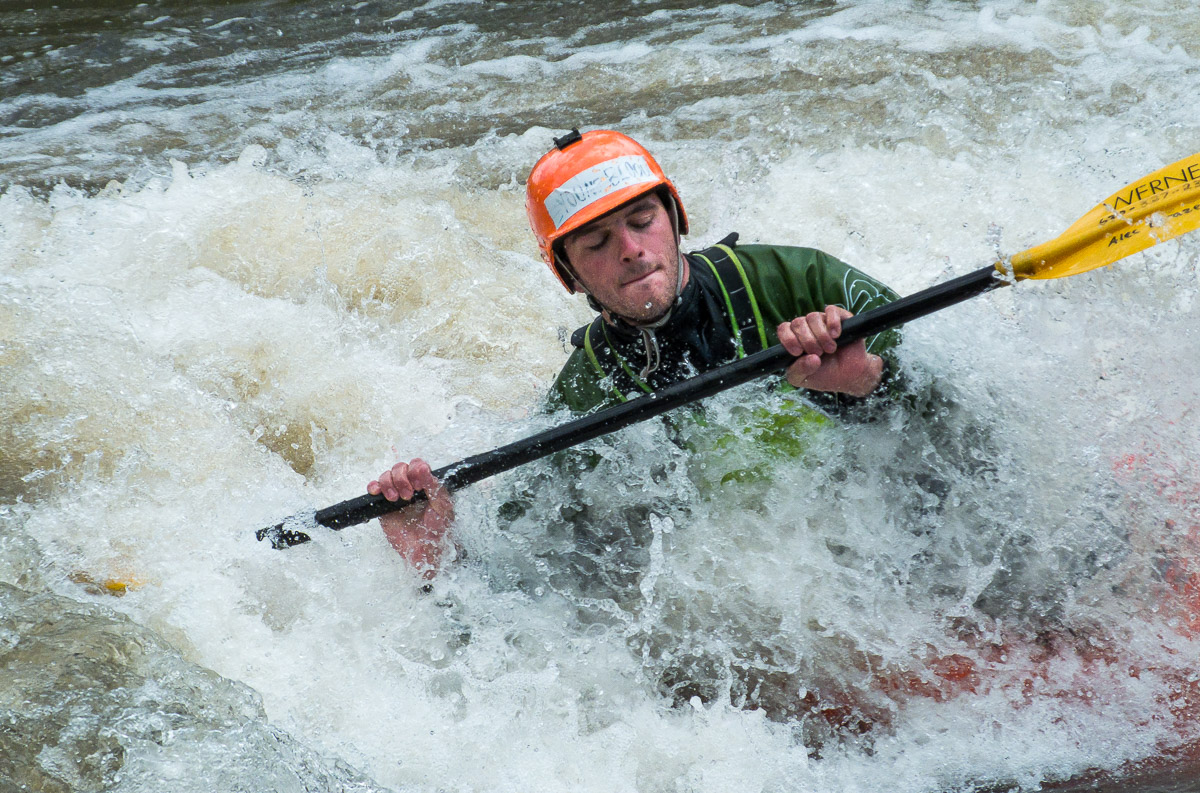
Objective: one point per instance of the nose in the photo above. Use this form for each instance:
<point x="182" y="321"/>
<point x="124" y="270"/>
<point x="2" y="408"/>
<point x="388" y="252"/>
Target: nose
<point x="628" y="245"/>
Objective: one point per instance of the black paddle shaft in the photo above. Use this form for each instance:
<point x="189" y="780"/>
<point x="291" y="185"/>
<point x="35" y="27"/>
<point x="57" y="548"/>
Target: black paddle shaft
<point x="480" y="466"/>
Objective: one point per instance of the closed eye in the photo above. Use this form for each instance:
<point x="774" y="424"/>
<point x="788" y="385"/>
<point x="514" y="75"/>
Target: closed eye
<point x="597" y="245"/>
<point x="641" y="220"/>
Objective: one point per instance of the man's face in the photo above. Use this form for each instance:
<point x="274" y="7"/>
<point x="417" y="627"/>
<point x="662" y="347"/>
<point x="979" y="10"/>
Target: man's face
<point x="628" y="259"/>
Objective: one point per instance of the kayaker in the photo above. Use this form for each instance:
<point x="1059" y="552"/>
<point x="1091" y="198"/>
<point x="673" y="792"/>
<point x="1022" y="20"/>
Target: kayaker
<point x="608" y="223"/>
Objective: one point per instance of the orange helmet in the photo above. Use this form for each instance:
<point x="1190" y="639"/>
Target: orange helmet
<point x="583" y="177"/>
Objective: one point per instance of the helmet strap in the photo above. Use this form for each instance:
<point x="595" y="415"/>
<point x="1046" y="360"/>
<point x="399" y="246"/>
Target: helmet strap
<point x="564" y="268"/>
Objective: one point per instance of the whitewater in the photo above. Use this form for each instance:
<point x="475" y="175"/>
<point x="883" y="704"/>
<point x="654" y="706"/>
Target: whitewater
<point x="251" y="254"/>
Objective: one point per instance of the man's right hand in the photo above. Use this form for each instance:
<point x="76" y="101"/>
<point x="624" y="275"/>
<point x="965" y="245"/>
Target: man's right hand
<point x="418" y="531"/>
<point x="821" y="364"/>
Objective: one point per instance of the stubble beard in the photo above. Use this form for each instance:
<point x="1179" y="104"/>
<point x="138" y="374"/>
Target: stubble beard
<point x="659" y="302"/>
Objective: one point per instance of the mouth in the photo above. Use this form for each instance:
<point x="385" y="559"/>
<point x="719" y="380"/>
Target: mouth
<point x="639" y="278"/>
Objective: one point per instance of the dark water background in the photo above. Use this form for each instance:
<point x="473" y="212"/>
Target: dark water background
<point x="95" y="65"/>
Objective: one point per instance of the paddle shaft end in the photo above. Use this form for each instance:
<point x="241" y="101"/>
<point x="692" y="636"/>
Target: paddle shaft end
<point x="346" y="513"/>
<point x="280" y="537"/>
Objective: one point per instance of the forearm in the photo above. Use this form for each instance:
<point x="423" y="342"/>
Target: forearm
<point x="421" y="548"/>
<point x="870" y="379"/>
<point x="890" y="388"/>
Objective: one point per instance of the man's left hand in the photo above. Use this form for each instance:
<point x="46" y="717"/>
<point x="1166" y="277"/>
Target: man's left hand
<point x="820" y="364"/>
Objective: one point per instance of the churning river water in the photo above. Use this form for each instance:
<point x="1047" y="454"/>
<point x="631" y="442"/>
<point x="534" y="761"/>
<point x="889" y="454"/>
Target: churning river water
<point x="251" y="253"/>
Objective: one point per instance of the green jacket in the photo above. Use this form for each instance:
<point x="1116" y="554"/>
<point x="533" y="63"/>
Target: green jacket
<point x="784" y="283"/>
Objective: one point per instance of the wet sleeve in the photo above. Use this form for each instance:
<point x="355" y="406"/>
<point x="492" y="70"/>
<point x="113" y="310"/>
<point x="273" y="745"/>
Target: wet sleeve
<point x="791" y="282"/>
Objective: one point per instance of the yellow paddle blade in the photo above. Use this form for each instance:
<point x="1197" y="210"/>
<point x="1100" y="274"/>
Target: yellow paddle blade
<point x="1153" y="209"/>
